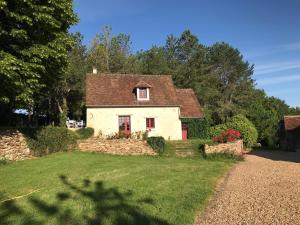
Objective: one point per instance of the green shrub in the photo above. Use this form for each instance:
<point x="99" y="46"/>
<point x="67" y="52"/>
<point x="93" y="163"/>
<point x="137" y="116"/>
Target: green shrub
<point x="218" y="130"/>
<point x="240" y="123"/>
<point x="157" y="143"/>
<point x="198" y="128"/>
<point x="85" y="133"/>
<point x="245" y="127"/>
<point x="223" y="156"/>
<point x="30" y="132"/>
<point x="52" y="139"/>
<point x="3" y="162"/>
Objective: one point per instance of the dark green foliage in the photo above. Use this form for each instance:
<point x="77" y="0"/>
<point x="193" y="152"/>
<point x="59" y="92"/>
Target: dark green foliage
<point x="52" y="139"/>
<point x="157" y="143"/>
<point x="85" y="133"/>
<point x="223" y="156"/>
<point x="33" y="47"/>
<point x="197" y="128"/>
<point x="266" y="113"/>
<point x="3" y="162"/>
<point x="153" y="61"/>
<point x="218" y="130"/>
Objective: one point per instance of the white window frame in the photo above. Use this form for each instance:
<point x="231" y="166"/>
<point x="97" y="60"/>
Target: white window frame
<point x="138" y="95"/>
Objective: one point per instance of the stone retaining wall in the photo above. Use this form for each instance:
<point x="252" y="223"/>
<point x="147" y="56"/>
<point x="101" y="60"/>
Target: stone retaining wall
<point x="116" y="147"/>
<point x="13" y="145"/>
<point x="230" y="147"/>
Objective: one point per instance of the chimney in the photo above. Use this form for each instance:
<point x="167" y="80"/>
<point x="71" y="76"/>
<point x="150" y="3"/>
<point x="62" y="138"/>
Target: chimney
<point x="95" y="70"/>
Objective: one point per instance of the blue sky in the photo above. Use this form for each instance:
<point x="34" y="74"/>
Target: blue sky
<point x="267" y="32"/>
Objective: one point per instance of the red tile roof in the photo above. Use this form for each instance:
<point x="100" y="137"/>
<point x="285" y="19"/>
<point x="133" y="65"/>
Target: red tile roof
<point x="105" y="90"/>
<point x="142" y="84"/>
<point x="189" y="105"/>
<point x="292" y="122"/>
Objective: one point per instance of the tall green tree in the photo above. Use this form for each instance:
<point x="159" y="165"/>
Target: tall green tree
<point x="109" y="53"/>
<point x="34" y="43"/>
<point x="75" y="77"/>
<point x="234" y="81"/>
<point x="153" y="61"/>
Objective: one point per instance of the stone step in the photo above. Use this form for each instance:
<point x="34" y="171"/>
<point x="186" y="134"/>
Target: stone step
<point x="183" y="150"/>
<point x="183" y="147"/>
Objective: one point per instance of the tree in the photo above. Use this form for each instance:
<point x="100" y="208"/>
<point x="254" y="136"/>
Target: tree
<point x="153" y="61"/>
<point x="266" y="113"/>
<point x="234" y="80"/>
<point x="34" y="42"/>
<point x="110" y="53"/>
<point x="75" y="78"/>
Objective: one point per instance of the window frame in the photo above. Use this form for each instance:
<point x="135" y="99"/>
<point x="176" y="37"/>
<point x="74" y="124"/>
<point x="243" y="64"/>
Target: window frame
<point x="151" y="123"/>
<point x="126" y="121"/>
<point x="147" y="94"/>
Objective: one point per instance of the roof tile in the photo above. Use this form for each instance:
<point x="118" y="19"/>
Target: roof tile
<point x="119" y="90"/>
<point x="189" y="105"/>
<point x="292" y="122"/>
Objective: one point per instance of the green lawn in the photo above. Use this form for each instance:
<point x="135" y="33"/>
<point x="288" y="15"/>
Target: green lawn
<point x="86" y="188"/>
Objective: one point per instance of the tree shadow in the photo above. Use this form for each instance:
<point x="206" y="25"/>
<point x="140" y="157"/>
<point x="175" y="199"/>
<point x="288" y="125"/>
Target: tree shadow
<point x="109" y="206"/>
<point x="277" y="155"/>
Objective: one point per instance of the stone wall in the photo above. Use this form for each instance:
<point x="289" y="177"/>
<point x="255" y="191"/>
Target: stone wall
<point x="116" y="147"/>
<point x="13" y="145"/>
<point x="235" y="147"/>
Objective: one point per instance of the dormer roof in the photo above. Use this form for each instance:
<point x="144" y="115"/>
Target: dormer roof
<point x="142" y="84"/>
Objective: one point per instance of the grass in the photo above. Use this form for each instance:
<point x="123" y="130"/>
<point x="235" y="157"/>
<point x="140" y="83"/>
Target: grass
<point x="87" y="188"/>
<point x="195" y="147"/>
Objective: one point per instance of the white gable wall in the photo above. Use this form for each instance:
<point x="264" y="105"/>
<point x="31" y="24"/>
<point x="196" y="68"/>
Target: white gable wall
<point x="167" y="122"/>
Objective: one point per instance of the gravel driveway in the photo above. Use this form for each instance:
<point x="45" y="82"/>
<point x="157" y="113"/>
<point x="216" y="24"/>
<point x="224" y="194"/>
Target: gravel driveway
<point x="264" y="189"/>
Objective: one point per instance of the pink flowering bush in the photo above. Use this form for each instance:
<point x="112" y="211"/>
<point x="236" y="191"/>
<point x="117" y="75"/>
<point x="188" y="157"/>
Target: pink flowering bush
<point x="228" y="136"/>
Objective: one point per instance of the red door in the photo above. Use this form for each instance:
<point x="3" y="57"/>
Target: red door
<point x="184" y="131"/>
<point x="124" y="124"/>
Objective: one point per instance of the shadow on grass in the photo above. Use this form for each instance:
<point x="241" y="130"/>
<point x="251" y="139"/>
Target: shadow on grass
<point x="277" y="155"/>
<point x="109" y="206"/>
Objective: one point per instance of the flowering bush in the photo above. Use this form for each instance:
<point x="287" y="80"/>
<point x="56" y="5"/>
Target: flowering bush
<point x="137" y="135"/>
<point x="119" y="135"/>
<point x="228" y="136"/>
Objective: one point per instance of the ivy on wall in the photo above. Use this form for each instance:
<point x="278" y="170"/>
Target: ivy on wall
<point x="197" y="127"/>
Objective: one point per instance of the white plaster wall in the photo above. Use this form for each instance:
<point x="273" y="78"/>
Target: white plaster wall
<point x="167" y="122"/>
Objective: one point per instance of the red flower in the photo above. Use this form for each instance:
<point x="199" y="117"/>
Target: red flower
<point x="228" y="136"/>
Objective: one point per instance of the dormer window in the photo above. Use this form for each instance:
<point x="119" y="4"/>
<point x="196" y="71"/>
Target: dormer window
<point x="143" y="93"/>
<point x="142" y="90"/>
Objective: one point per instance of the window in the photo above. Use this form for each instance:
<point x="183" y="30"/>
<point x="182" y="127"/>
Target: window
<point x="143" y="93"/>
<point x="124" y="124"/>
<point x="150" y="123"/>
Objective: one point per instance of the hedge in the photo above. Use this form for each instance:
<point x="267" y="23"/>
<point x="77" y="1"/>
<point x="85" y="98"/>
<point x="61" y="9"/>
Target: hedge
<point x="218" y="130"/>
<point x="198" y="128"/>
<point x="51" y="139"/>
<point x="246" y="128"/>
<point x="240" y="123"/>
<point x="85" y="133"/>
<point x="157" y="143"/>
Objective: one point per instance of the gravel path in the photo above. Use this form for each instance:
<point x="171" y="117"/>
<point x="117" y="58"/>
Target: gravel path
<point x="264" y="189"/>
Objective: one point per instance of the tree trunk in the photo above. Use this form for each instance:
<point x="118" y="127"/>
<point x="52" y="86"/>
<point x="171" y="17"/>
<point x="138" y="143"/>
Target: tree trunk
<point x="62" y="112"/>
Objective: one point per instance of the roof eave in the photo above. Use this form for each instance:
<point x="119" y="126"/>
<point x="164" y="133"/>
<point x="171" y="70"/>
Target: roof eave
<point x="122" y="106"/>
<point x="191" y="117"/>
